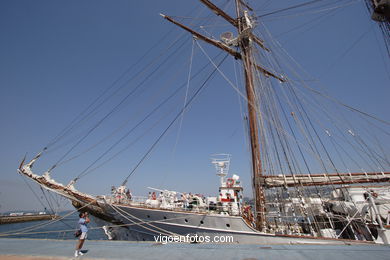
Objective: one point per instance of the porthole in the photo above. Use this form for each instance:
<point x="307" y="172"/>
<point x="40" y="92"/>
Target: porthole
<point x="147" y="216"/>
<point x="228" y="225"/>
<point x="201" y="222"/>
<point x="186" y="220"/>
<point x="165" y="217"/>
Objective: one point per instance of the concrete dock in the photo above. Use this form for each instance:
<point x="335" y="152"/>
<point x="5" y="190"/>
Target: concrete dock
<point x="26" y="218"/>
<point x="31" y="249"/>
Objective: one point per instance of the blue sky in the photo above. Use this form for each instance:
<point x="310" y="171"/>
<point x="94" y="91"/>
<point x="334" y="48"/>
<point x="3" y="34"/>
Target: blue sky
<point x="57" y="56"/>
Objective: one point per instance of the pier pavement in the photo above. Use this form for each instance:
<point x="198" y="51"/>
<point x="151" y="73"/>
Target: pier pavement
<point x="45" y="249"/>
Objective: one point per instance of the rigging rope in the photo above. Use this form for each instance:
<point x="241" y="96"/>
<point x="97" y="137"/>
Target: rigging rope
<point x="186" y="94"/>
<point x="325" y="95"/>
<point x="121" y="211"/>
<point x="37" y="197"/>
<point x="289" y="8"/>
<point x="67" y="129"/>
<point x="72" y="124"/>
<point x="173" y="121"/>
<point x="326" y="9"/>
<point x="40" y="225"/>
<point x="113" y="110"/>
<point x="347" y="50"/>
<point x="175" y="92"/>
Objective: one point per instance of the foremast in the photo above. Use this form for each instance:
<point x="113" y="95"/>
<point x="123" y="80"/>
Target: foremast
<point x="245" y="40"/>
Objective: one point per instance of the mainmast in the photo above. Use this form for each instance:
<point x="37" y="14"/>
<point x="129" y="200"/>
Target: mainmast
<point x="245" y="40"/>
<point x="244" y="28"/>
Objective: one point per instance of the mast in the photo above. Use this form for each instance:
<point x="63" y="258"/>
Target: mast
<point x="245" y="40"/>
<point x="245" y="44"/>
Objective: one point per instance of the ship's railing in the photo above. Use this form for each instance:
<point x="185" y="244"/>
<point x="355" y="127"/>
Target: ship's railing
<point x="134" y="200"/>
<point x="140" y="201"/>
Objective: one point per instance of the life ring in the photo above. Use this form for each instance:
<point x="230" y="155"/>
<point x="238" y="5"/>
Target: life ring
<point x="230" y="182"/>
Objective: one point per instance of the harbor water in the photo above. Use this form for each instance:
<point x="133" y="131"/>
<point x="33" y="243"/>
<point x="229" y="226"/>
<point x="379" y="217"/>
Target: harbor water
<point x="63" y="228"/>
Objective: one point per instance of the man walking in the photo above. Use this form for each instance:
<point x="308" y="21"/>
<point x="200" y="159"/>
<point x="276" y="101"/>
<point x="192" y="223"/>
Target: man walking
<point x="83" y="221"/>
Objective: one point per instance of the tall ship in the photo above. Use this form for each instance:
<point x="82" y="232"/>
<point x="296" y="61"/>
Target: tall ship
<point x="314" y="176"/>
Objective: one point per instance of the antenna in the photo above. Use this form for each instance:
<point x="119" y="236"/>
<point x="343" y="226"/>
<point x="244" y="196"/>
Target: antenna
<point x="221" y="162"/>
<point x="228" y="39"/>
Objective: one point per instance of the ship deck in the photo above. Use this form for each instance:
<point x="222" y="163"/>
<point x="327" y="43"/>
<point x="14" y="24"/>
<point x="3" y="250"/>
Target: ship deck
<point x="29" y="249"/>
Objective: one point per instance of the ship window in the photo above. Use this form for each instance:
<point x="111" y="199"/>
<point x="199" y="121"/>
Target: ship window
<point x="228" y="225"/>
<point x="186" y="220"/>
<point x="201" y="222"/>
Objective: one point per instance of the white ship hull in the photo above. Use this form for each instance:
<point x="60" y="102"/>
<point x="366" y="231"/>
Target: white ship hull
<point x="143" y="224"/>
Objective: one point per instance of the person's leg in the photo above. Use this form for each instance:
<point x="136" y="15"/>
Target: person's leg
<point x="81" y="243"/>
<point x="83" y="236"/>
<point x="78" y="244"/>
<point x="78" y="248"/>
<point x="76" y="253"/>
